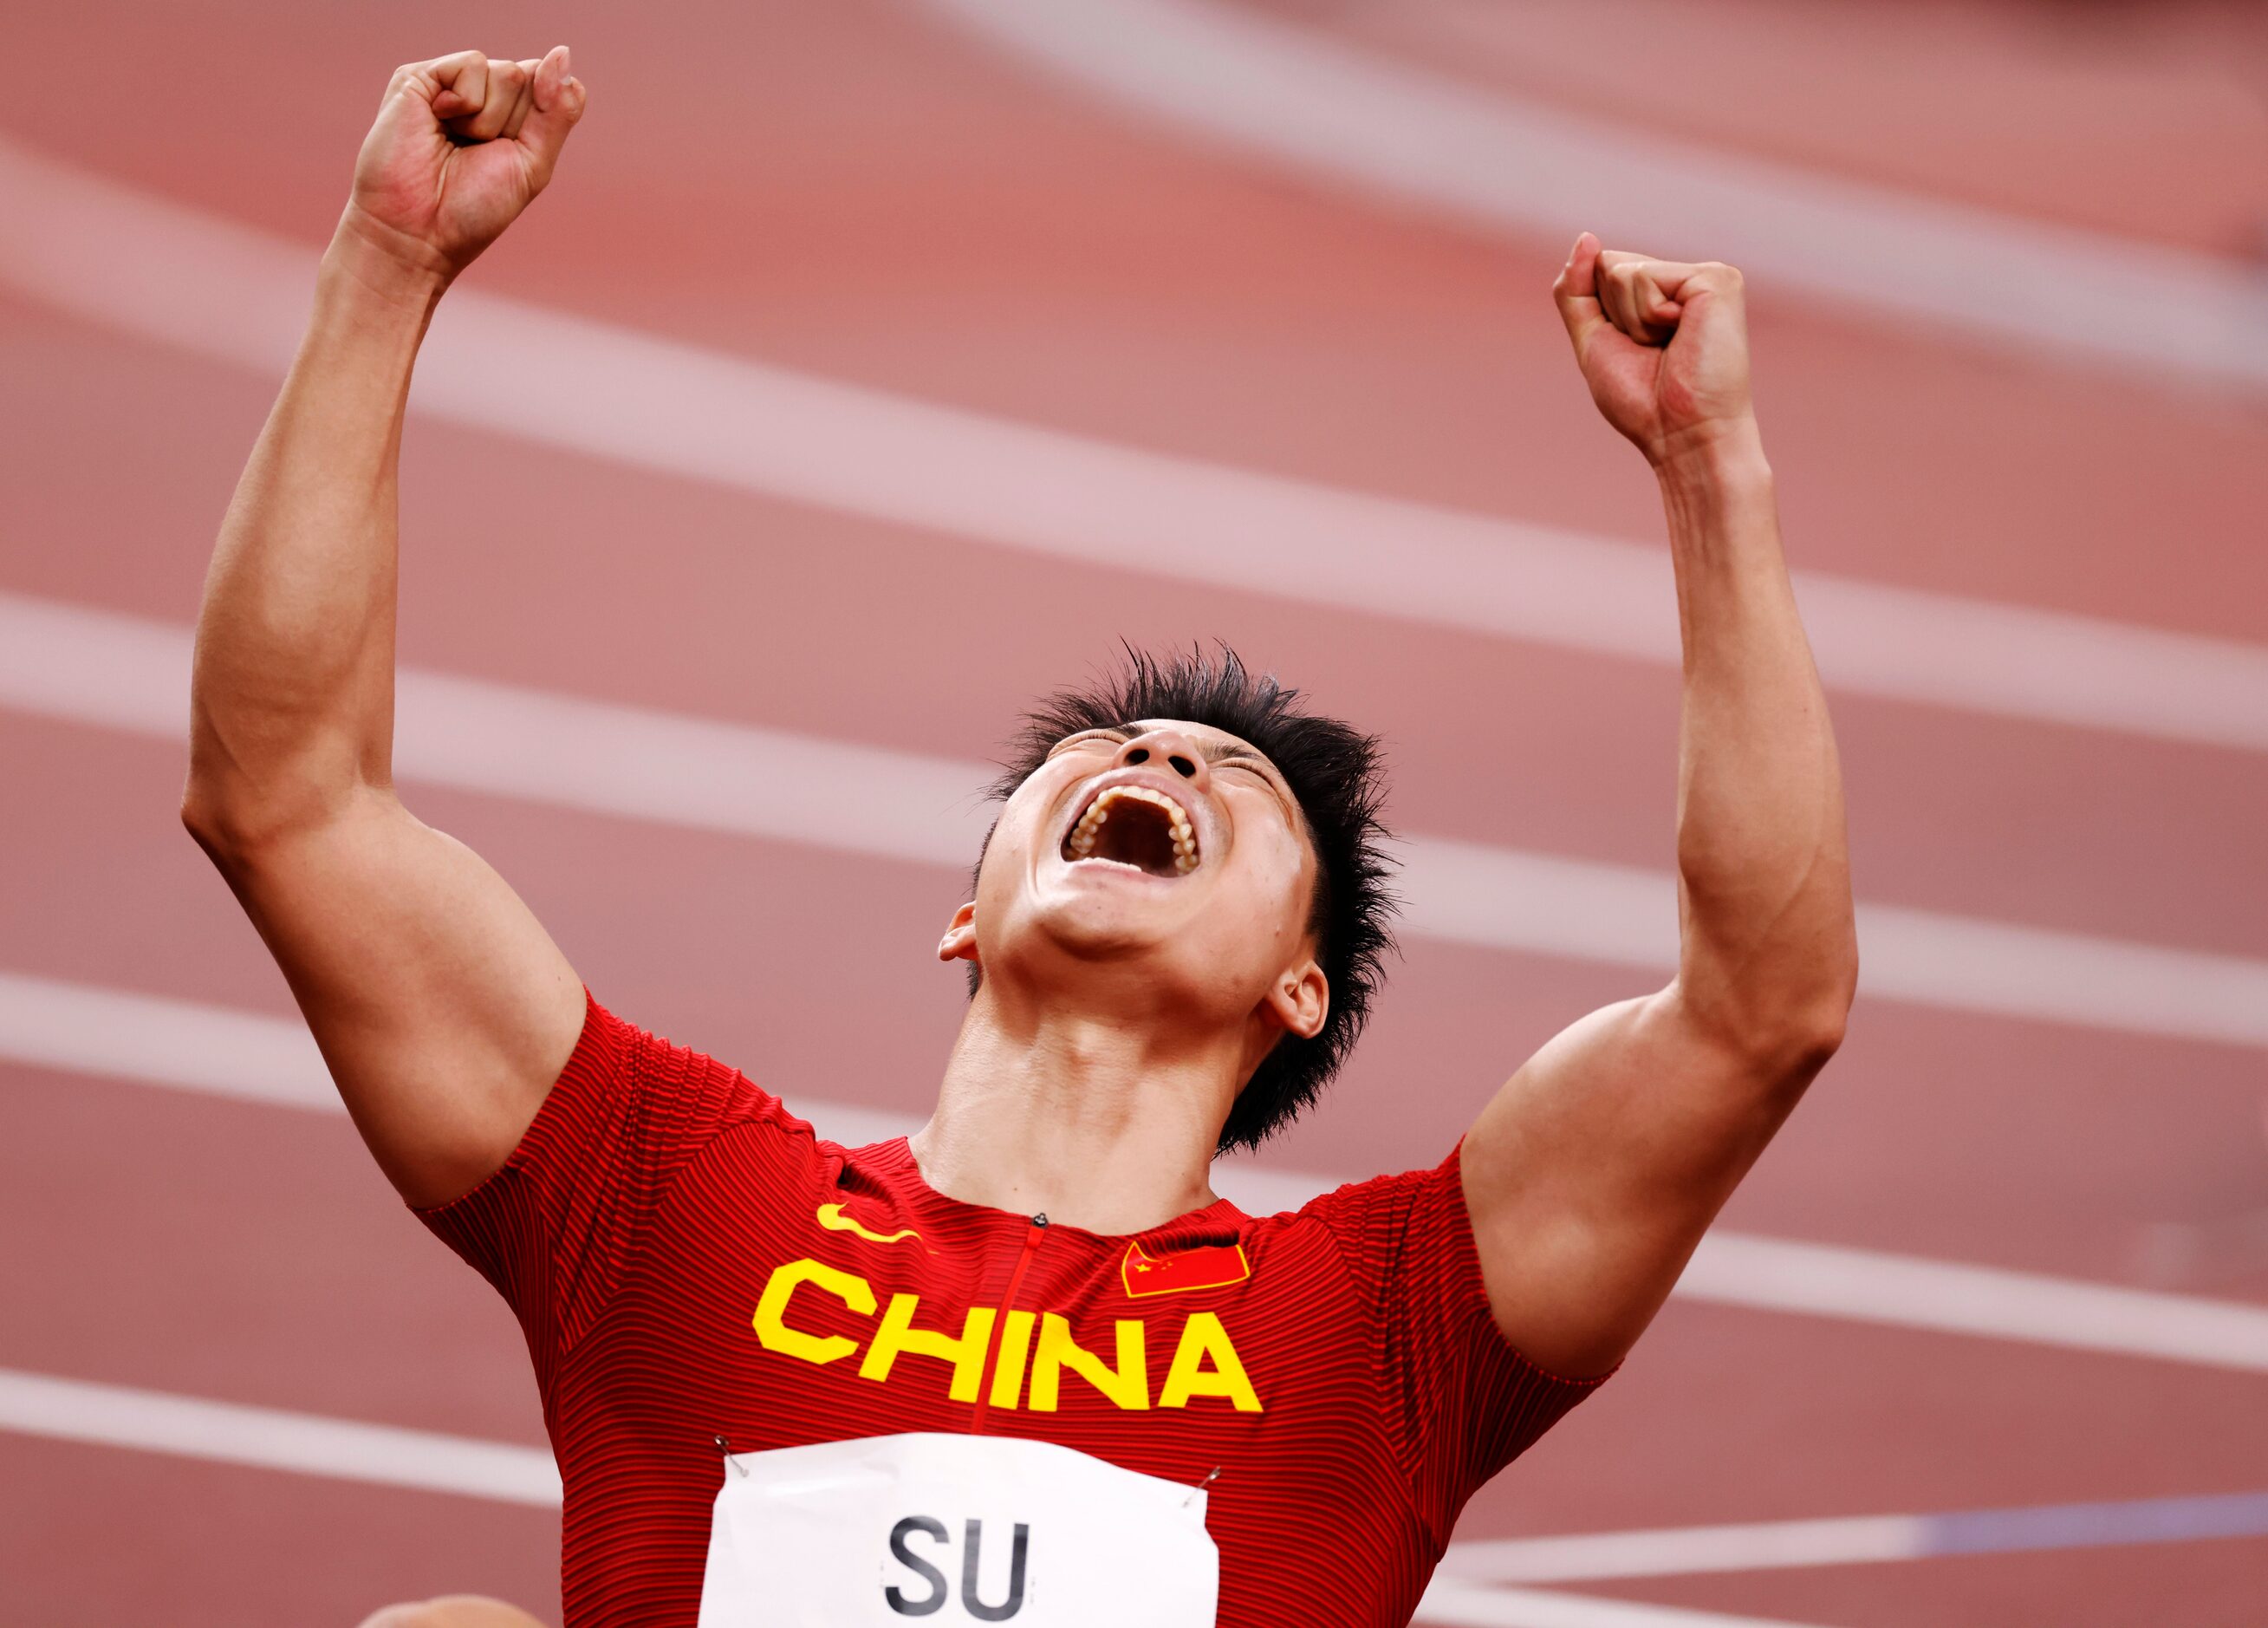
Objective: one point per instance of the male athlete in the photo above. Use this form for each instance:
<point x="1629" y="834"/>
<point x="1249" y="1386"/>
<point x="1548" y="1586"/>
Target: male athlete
<point x="1023" y="1364"/>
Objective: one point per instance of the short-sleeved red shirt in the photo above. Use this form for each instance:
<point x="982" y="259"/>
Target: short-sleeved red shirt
<point x="689" y="1262"/>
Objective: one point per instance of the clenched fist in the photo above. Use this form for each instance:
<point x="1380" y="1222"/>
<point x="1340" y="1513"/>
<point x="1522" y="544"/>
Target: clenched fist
<point x="462" y="144"/>
<point x="1663" y="345"/>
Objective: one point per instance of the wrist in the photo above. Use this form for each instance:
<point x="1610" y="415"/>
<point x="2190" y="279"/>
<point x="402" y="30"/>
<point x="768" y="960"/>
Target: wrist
<point x="1722" y="457"/>
<point x="375" y="263"/>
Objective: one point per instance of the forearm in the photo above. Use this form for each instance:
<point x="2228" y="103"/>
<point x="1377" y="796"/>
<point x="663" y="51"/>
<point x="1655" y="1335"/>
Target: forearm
<point x="292" y="695"/>
<point x="1767" y="956"/>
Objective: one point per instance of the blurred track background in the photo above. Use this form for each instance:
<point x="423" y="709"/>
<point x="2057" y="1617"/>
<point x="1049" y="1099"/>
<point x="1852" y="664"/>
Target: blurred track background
<point x="875" y="365"/>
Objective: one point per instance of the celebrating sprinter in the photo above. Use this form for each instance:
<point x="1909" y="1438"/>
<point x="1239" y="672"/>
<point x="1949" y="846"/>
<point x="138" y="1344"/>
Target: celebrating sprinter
<point x="1023" y="1364"/>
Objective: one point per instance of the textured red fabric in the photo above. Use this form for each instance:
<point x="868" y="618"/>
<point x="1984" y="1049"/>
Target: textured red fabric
<point x="1345" y="1396"/>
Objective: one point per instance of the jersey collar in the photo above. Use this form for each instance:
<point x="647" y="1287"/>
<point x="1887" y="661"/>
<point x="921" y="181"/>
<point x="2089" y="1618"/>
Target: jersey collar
<point x="890" y="1168"/>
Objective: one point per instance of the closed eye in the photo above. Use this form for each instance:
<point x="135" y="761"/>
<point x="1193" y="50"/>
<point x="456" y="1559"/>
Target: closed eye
<point x="1080" y="742"/>
<point x="1285" y="804"/>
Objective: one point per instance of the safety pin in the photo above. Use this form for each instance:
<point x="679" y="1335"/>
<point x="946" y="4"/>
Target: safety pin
<point x="726" y="1447"/>
<point x="1201" y="1486"/>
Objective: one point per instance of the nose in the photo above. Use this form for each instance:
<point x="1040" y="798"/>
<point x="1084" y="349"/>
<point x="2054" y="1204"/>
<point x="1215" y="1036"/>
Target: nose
<point x="1170" y="749"/>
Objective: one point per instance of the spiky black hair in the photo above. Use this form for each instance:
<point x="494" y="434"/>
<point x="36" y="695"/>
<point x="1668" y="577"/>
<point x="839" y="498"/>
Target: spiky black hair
<point x="1336" y="773"/>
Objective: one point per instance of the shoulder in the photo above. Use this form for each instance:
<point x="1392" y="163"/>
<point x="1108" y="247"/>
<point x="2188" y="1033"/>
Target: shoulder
<point x="1387" y="1206"/>
<point x="1359" y="1232"/>
<point x="633" y="1098"/>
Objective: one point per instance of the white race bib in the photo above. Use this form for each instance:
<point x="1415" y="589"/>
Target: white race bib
<point x="895" y="1531"/>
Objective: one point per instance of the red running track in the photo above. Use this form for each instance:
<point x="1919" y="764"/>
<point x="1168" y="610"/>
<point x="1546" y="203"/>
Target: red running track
<point x="858" y="191"/>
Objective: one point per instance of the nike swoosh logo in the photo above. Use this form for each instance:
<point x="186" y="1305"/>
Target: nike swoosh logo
<point x="831" y="1217"/>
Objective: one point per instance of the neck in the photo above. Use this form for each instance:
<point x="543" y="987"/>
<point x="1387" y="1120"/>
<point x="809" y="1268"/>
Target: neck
<point x="1097" y="1122"/>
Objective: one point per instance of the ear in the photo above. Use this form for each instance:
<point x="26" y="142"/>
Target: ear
<point x="960" y="940"/>
<point x="1301" y="1000"/>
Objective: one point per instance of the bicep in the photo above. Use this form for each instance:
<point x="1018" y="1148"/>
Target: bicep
<point x="1591" y="1176"/>
<point x="441" y="1005"/>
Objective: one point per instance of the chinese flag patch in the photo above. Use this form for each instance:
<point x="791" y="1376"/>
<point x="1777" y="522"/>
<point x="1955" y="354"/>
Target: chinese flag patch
<point x="1210" y="1266"/>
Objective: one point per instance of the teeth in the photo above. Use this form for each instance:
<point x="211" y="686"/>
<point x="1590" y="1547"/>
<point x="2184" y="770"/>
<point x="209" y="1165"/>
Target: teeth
<point x="1081" y="841"/>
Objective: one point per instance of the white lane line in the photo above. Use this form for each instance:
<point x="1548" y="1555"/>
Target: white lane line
<point x="1676" y="1551"/>
<point x="221" y="291"/>
<point x="1857" y="1539"/>
<point x="189" y="1045"/>
<point x="122" y="671"/>
<point x="1501" y="162"/>
<point x="231" y="1433"/>
<point x="1455" y="1603"/>
<point x="1503" y="898"/>
<point x="1779" y="1274"/>
<point x="186" y="1045"/>
<point x="126" y="673"/>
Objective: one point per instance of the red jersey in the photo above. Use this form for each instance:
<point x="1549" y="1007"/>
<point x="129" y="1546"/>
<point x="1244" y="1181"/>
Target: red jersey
<point x="690" y="1262"/>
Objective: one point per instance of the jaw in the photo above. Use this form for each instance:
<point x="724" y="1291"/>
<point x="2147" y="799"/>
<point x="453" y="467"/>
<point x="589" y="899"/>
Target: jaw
<point x="1179" y="953"/>
<point x="1095" y="905"/>
<point x="1067" y="922"/>
<point x="1098" y="951"/>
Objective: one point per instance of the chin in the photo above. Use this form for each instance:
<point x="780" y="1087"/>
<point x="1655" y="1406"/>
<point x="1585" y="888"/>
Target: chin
<point x="1069" y="940"/>
<point x="1095" y="930"/>
<point x="1087" y="901"/>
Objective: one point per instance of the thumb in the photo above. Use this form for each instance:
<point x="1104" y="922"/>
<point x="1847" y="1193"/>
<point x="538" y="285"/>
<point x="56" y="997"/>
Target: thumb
<point x="1576" y="293"/>
<point x="558" y="104"/>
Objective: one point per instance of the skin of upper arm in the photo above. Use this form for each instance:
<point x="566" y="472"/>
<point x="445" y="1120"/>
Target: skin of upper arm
<point x="1592" y="1174"/>
<point x="443" y="1008"/>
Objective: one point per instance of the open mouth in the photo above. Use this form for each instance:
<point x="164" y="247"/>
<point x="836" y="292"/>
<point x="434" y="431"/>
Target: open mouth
<point x="1135" y="827"/>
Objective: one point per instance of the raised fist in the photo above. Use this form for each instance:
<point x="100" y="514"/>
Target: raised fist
<point x="1663" y="345"/>
<point x="462" y="144"/>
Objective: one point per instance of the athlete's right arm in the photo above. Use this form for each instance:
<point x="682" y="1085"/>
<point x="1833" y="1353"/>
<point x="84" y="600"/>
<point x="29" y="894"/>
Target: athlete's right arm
<point x="443" y="1008"/>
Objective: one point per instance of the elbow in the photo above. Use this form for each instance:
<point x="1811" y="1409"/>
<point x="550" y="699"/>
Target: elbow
<point x="1783" y="1025"/>
<point x="1784" y="1044"/>
<point x="256" y="783"/>
<point x="1810" y="1034"/>
<point x="215" y="805"/>
<point x="1808" y="1018"/>
<point x="1785" y="1051"/>
<point x="238" y="826"/>
<point x="223" y="826"/>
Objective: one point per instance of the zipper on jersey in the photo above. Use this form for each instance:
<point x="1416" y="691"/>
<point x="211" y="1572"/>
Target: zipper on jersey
<point x="1030" y="1246"/>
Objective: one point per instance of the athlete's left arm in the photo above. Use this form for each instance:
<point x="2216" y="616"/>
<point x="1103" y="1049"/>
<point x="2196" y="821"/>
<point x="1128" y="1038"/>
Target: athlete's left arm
<point x="1593" y="1174"/>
